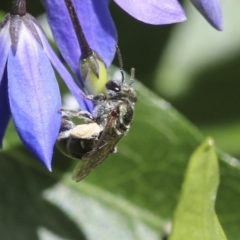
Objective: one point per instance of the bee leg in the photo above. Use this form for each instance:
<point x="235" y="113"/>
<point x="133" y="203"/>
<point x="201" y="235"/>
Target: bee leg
<point x="95" y="98"/>
<point x="99" y="98"/>
<point x="86" y="116"/>
<point x="66" y="126"/>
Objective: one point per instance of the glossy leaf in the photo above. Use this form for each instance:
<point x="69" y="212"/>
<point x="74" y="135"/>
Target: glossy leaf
<point x="136" y="190"/>
<point x="195" y="216"/>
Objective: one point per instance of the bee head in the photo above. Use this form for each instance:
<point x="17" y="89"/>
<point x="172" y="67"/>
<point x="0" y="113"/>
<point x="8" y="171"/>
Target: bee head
<point x="113" y="86"/>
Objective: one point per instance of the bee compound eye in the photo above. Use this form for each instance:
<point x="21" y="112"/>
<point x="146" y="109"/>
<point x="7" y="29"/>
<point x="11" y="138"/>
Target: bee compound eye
<point x="113" y="86"/>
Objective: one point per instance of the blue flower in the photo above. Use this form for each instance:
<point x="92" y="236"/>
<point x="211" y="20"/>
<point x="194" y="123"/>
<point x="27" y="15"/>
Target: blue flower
<point x="211" y="10"/>
<point x="165" y="12"/>
<point x="29" y="91"/>
<point x="98" y="25"/>
<point x="99" y="28"/>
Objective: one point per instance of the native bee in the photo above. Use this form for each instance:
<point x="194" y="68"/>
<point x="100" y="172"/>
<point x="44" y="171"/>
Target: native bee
<point x="110" y="120"/>
<point x="76" y="141"/>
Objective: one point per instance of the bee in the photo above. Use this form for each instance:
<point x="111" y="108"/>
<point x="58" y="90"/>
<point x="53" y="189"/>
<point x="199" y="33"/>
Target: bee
<point x="110" y="120"/>
<point x="76" y="141"/>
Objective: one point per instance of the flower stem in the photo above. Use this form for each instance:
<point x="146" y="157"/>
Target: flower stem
<point x="85" y="48"/>
<point x="18" y="7"/>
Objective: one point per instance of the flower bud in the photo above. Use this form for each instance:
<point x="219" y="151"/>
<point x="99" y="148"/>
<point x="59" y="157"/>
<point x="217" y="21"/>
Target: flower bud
<point x="94" y="73"/>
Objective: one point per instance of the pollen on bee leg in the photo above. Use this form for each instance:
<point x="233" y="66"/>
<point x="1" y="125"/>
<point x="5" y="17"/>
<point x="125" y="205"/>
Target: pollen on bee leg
<point x="86" y="131"/>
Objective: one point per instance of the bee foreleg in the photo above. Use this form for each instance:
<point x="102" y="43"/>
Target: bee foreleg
<point x="96" y="98"/>
<point x="86" y="116"/>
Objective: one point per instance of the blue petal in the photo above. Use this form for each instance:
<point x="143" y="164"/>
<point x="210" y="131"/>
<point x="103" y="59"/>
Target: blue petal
<point x="154" y="11"/>
<point x="66" y="76"/>
<point x="4" y="107"/>
<point x="211" y="10"/>
<point x="34" y="97"/>
<point x="97" y="25"/>
<point x="5" y="44"/>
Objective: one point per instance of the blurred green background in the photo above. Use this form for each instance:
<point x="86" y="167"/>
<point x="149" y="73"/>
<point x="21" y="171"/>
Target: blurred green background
<point x="134" y="193"/>
<point x="190" y="64"/>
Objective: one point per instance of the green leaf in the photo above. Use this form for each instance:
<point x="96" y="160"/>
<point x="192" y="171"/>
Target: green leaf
<point x="135" y="190"/>
<point x="195" y="216"/>
<point x="179" y="67"/>
<point x="22" y="204"/>
<point x="37" y="205"/>
<point x="151" y="158"/>
<point x="225" y="135"/>
<point x="138" y="185"/>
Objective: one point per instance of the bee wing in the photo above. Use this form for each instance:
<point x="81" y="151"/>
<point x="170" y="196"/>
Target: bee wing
<point x="104" y="146"/>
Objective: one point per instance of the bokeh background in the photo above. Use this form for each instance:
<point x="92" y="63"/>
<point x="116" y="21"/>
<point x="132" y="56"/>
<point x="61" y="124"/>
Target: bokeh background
<point x="190" y="64"/>
<point x="193" y="67"/>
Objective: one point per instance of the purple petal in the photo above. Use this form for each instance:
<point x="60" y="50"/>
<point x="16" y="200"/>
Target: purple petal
<point x="97" y="25"/>
<point x="4" y="107"/>
<point x="5" y="44"/>
<point x="211" y="10"/>
<point x="154" y="11"/>
<point x="34" y="97"/>
<point x="71" y="84"/>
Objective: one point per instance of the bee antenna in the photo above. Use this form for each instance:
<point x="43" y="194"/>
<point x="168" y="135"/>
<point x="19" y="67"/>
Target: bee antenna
<point x="132" y="76"/>
<point x="120" y="61"/>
